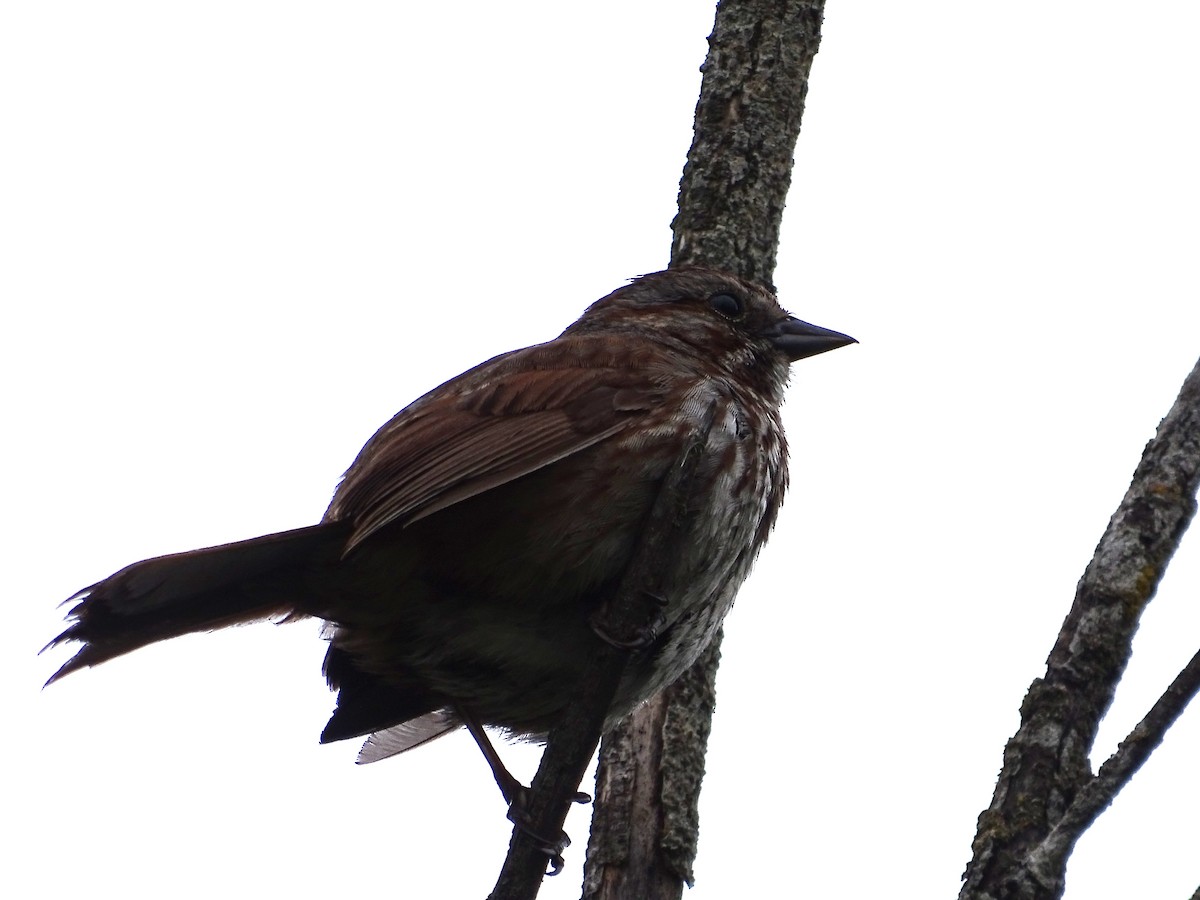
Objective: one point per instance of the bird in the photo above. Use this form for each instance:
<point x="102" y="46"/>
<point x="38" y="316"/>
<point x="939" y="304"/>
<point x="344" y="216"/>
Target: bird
<point x="467" y="549"/>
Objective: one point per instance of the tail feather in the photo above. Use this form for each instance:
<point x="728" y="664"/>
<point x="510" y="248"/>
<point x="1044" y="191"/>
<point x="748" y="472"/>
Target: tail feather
<point x="367" y="704"/>
<point x="202" y="590"/>
<point x="408" y="735"/>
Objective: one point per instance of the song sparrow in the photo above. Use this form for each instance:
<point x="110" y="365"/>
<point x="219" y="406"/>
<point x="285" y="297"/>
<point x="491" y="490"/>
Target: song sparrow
<point x="477" y="531"/>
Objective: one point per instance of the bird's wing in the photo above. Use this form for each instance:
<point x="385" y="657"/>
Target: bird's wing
<point x="509" y="417"/>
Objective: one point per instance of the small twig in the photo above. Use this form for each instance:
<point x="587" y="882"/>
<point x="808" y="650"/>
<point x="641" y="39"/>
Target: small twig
<point x="573" y="741"/>
<point x="1117" y="770"/>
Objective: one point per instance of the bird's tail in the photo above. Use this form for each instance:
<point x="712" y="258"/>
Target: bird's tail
<point x="203" y="590"/>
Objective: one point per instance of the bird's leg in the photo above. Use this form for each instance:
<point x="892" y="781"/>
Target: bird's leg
<point x="510" y="787"/>
<point x="516" y="794"/>
<point x="645" y="635"/>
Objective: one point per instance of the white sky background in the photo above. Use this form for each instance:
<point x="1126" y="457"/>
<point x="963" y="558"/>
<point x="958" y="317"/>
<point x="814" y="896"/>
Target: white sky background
<point x="237" y="237"/>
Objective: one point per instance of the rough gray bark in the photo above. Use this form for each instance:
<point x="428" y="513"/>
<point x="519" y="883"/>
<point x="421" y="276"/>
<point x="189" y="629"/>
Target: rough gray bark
<point x="1046" y="796"/>
<point x="739" y="168"/>
<point x="645" y="826"/>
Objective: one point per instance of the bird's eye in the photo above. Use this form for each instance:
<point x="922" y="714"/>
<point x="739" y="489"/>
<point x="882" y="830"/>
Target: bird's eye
<point x="727" y="305"/>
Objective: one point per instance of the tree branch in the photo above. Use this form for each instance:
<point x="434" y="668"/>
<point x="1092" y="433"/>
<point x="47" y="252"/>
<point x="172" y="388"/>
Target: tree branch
<point x="571" y="744"/>
<point x="1118" y="769"/>
<point x="1046" y="762"/>
<point x="646" y="822"/>
<point x="739" y="167"/>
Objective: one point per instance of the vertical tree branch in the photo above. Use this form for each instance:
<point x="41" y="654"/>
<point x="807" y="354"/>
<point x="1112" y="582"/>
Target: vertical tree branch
<point x="1046" y="761"/>
<point x="739" y="168"/>
<point x="731" y="199"/>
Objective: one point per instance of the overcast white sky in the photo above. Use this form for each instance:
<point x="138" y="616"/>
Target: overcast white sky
<point x="238" y="236"/>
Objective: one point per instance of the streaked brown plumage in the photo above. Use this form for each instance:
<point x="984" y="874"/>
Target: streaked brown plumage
<point x="475" y="533"/>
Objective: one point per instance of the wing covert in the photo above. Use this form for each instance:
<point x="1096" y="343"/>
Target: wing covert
<point x="505" y="419"/>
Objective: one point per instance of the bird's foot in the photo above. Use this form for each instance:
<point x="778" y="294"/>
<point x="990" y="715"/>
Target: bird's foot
<point x="516" y="795"/>
<point x="643" y="637"/>
<point x="554" y="848"/>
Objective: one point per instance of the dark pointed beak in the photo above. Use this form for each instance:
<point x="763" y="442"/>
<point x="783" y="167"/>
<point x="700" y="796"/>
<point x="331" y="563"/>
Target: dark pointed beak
<point x="797" y="340"/>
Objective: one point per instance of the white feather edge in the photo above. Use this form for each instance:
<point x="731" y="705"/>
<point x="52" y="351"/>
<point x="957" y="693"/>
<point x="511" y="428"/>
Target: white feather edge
<point x="407" y="735"/>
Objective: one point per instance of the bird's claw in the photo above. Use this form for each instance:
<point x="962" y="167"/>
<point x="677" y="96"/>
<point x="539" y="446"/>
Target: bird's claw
<point x="643" y="637"/>
<point x="552" y="847"/>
